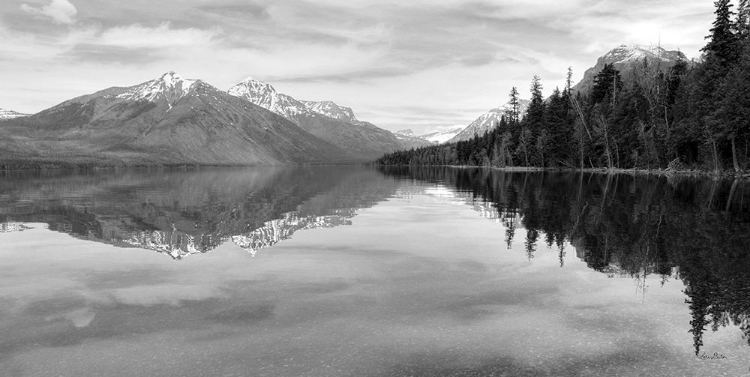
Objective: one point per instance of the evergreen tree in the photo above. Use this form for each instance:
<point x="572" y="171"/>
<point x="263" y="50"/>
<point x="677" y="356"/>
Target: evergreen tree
<point x="513" y="113"/>
<point x="606" y="83"/>
<point x="722" y="44"/>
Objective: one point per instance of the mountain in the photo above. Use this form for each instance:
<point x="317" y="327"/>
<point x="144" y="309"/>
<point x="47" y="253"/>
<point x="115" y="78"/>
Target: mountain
<point x="488" y="121"/>
<point x="438" y="135"/>
<point x="326" y="120"/>
<point x="10" y="114"/>
<point x="625" y="57"/>
<point x="167" y="120"/>
<point x="332" y="110"/>
<point x="442" y="135"/>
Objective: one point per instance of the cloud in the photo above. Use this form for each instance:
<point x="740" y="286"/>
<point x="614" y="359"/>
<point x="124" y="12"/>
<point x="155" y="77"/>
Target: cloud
<point x="59" y="11"/>
<point x="453" y="56"/>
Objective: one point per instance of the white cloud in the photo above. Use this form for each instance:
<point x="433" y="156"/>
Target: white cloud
<point x="162" y="36"/>
<point x="387" y="59"/>
<point x="59" y="11"/>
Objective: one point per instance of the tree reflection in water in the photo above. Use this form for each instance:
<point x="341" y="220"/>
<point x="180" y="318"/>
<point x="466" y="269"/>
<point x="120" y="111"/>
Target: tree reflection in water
<point x="693" y="229"/>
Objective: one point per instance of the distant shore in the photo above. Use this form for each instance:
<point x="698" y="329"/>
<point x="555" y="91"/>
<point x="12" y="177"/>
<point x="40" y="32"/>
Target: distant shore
<point x="114" y="165"/>
<point x="639" y="171"/>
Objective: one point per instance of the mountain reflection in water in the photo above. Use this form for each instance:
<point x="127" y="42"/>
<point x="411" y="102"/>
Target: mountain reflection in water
<point x="641" y="227"/>
<point x="181" y="213"/>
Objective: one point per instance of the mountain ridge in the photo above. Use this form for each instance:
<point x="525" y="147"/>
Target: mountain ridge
<point x="488" y="121"/>
<point x="166" y="120"/>
<point x="627" y="56"/>
<point x="326" y="120"/>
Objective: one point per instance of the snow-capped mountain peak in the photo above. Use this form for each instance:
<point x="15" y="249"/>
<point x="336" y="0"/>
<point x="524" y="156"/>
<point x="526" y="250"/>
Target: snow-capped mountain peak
<point x="332" y="110"/>
<point x="489" y="120"/>
<point x="170" y="87"/>
<point x="10" y="114"/>
<point x="265" y="96"/>
<point x="625" y="56"/>
<point x="625" y="53"/>
<point x="253" y="87"/>
<point x="441" y="135"/>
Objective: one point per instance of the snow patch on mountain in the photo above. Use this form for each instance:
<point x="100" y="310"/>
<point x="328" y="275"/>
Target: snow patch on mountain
<point x="625" y="57"/>
<point x="170" y="87"/>
<point x="332" y="110"/>
<point x="626" y="53"/>
<point x="489" y="120"/>
<point x="265" y="96"/>
<point x="442" y="134"/>
<point x="437" y="135"/>
<point x="10" y="114"/>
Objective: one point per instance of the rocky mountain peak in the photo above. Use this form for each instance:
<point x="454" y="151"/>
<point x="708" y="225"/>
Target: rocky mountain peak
<point x="624" y="53"/>
<point x="624" y="57"/>
<point x="332" y="110"/>
<point x="169" y="87"/>
<point x="265" y="96"/>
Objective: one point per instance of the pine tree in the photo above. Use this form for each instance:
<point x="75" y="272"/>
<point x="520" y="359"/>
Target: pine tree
<point x="722" y="43"/>
<point x="606" y="84"/>
<point x="535" y="113"/>
<point x="743" y="20"/>
<point x="513" y="113"/>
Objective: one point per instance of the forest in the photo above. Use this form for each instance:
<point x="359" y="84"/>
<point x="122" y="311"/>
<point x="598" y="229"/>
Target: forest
<point x="690" y="116"/>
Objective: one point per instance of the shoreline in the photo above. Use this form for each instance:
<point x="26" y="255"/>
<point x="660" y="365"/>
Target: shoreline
<point x="86" y="166"/>
<point x="656" y="172"/>
<point x="18" y="166"/>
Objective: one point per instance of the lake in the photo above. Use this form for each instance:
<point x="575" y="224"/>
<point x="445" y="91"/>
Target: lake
<point x="357" y="271"/>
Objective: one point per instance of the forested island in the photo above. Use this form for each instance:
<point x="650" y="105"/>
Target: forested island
<point x="690" y="116"/>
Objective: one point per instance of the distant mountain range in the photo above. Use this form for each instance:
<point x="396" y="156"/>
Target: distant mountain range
<point x="174" y="120"/>
<point x="167" y="120"/>
<point x="484" y="122"/>
<point x="488" y="121"/>
<point x="326" y="120"/>
<point x="10" y="114"/>
<point x="438" y="135"/>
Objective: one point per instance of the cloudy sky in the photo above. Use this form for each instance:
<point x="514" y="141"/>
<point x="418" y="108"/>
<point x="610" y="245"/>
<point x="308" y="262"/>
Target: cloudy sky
<point x="416" y="64"/>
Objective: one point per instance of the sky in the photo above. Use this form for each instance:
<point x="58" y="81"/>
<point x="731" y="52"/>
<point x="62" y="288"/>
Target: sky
<point x="418" y="64"/>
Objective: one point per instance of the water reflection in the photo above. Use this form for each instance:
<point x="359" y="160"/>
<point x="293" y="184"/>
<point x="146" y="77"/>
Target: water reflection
<point x="181" y="213"/>
<point x="696" y="230"/>
<point x="648" y="229"/>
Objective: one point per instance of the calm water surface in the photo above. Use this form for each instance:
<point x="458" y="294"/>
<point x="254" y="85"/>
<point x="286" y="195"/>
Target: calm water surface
<point x="364" y="272"/>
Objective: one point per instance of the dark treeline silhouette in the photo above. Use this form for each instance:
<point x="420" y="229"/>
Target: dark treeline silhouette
<point x="640" y="226"/>
<point x="652" y="116"/>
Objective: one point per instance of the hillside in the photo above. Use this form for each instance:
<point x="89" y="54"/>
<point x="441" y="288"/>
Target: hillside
<point x="487" y="121"/>
<point x="326" y="120"/>
<point x="625" y="58"/>
<point x="168" y="120"/>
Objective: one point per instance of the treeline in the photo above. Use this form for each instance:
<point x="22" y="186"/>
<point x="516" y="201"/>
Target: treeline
<point x="689" y="115"/>
<point x="649" y="228"/>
